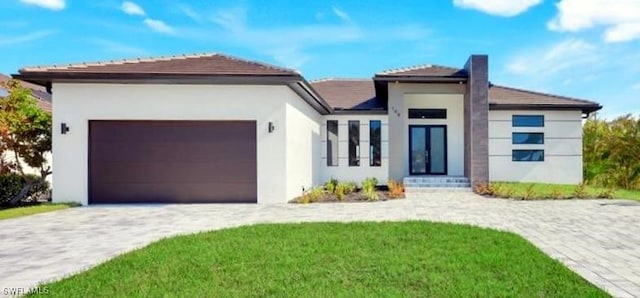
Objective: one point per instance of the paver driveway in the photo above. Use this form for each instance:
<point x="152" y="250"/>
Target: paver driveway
<point x="600" y="240"/>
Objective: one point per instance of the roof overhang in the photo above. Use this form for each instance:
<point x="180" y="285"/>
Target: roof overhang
<point x="296" y="82"/>
<point x="584" y="108"/>
<point x="419" y="79"/>
<point x="360" y="112"/>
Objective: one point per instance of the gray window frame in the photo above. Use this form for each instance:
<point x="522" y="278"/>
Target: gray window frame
<point x="513" y="157"/>
<point x="513" y="138"/>
<point x="515" y="120"/>
<point x="333" y="143"/>
<point x="354" y="142"/>
<point x="375" y="160"/>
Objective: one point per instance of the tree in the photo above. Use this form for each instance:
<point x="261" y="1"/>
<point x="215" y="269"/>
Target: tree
<point x="25" y="132"/>
<point x="612" y="152"/>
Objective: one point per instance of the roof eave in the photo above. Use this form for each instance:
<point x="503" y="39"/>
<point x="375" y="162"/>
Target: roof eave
<point x="310" y="95"/>
<point x="377" y="111"/>
<point x="42" y="78"/>
<point x="585" y="108"/>
<point x="295" y="81"/>
<point x="420" y="79"/>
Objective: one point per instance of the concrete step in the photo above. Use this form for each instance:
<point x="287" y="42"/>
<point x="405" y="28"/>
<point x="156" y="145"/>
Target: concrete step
<point x="436" y="189"/>
<point x="436" y="183"/>
<point x="436" y="179"/>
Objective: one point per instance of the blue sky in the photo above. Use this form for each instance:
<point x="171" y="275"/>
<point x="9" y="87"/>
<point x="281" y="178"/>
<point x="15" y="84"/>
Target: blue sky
<point x="582" y="48"/>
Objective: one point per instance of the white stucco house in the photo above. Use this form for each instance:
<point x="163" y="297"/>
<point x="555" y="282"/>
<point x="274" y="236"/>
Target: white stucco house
<point x="216" y="128"/>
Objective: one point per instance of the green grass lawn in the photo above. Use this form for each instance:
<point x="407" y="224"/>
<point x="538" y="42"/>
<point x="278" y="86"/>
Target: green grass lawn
<point x="24" y="211"/>
<point x="541" y="190"/>
<point x="332" y="259"/>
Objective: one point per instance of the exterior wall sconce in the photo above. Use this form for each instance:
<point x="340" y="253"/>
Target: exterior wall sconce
<point x="271" y="127"/>
<point x="64" y="129"/>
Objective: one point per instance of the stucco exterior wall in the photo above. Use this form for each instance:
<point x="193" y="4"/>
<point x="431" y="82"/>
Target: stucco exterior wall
<point x="302" y="146"/>
<point x="343" y="171"/>
<point x="76" y="104"/>
<point x="562" y="148"/>
<point x="405" y="96"/>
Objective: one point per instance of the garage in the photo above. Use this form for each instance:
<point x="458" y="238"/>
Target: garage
<point x="172" y="162"/>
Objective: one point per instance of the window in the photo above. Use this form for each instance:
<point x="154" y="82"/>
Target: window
<point x="528" y="155"/>
<point x="354" y="143"/>
<point x="375" y="143"/>
<point x="427" y="113"/>
<point x="527" y="120"/>
<point x="527" y="138"/>
<point x="332" y="143"/>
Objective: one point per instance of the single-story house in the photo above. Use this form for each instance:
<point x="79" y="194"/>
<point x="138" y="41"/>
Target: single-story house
<point x="217" y="128"/>
<point x="39" y="92"/>
<point x="44" y="102"/>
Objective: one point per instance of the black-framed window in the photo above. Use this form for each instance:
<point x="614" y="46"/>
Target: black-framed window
<point x="527" y="120"/>
<point x="375" y="143"/>
<point x="427" y="113"/>
<point x="354" y="143"/>
<point x="527" y="155"/>
<point x="527" y="138"/>
<point x="332" y="143"/>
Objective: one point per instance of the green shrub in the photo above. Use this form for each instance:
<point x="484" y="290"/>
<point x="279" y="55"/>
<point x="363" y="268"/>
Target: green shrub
<point x="607" y="193"/>
<point x="556" y="193"/>
<point x="369" y="184"/>
<point x="311" y="196"/>
<point x="503" y="191"/>
<point x="330" y="186"/>
<point x="11" y="184"/>
<point x="580" y="192"/>
<point x="344" y="188"/>
<point x="369" y="188"/>
<point x="529" y="193"/>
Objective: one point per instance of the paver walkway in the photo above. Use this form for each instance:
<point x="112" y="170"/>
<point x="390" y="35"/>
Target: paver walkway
<point x="598" y="239"/>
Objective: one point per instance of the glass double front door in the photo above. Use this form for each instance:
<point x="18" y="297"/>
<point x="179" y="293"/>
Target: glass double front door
<point x="428" y="149"/>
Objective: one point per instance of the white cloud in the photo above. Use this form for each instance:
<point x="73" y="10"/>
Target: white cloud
<point x="192" y="14"/>
<point x="48" y="4"/>
<point x="158" y="26"/>
<point x="341" y="14"/>
<point x="232" y="19"/>
<point x="133" y="9"/>
<point x="26" y="38"/>
<point x="621" y="19"/>
<point x="623" y="32"/>
<point x="636" y="86"/>
<point x="555" y="58"/>
<point x="290" y="45"/>
<point x="503" y="8"/>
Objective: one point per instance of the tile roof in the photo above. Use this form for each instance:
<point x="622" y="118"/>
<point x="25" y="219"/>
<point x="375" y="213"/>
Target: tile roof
<point x="501" y="95"/>
<point x="361" y="94"/>
<point x="39" y="92"/>
<point x="197" y="64"/>
<point x="426" y="70"/>
<point x="356" y="94"/>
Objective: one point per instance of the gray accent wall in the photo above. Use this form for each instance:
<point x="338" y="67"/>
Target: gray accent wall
<point x="476" y="109"/>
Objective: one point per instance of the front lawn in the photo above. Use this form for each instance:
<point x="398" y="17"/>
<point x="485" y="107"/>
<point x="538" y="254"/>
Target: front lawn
<point x="28" y="210"/>
<point x="562" y="191"/>
<point x="333" y="259"/>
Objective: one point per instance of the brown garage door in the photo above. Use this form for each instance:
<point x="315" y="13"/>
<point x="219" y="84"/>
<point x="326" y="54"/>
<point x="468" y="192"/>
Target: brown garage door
<point x="172" y="162"/>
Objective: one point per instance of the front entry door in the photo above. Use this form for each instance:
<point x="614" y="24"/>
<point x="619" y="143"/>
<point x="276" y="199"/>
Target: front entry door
<point x="428" y="149"/>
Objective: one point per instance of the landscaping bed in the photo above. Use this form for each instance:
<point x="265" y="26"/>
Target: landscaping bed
<point x="348" y="191"/>
<point x="358" y="196"/>
<point x="542" y="191"/>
